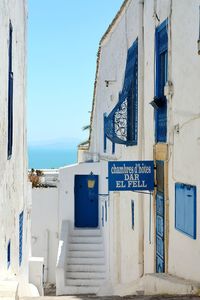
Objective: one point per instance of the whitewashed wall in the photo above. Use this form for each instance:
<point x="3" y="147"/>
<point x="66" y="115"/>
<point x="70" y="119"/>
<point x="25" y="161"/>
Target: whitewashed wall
<point x="13" y="172"/>
<point x="126" y="245"/>
<point x="44" y="229"/>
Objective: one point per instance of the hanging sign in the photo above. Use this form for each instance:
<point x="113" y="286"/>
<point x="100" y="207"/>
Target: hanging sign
<point x="131" y="175"/>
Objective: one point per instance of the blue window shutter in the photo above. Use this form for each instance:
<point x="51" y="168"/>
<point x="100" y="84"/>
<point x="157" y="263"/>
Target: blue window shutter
<point x="21" y="217"/>
<point x="161" y="49"/>
<point x="132" y="109"/>
<point x="10" y="95"/>
<point x="121" y="125"/>
<point x="8" y="254"/>
<point x="104" y="132"/>
<point x="132" y="213"/>
<point x="185" y="209"/>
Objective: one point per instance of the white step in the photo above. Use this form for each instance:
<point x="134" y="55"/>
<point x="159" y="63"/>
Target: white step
<point x="85" y="253"/>
<point x="85" y="261"/>
<point x="77" y="290"/>
<point x="86" y="275"/>
<point x="82" y="247"/>
<point x="86" y="232"/>
<point x="84" y="282"/>
<point x="85" y="239"/>
<point x="86" y="268"/>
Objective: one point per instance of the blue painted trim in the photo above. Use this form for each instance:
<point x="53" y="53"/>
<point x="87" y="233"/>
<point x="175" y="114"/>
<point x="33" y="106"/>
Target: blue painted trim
<point x="177" y="186"/>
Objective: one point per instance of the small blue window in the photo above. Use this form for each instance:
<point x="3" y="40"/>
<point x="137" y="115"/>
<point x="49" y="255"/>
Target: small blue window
<point x="102" y="217"/>
<point x="185" y="209"/>
<point x="10" y="94"/>
<point x="8" y="255"/>
<point x="106" y="211"/>
<point x="132" y="214"/>
<point x="21" y="217"/>
<point x="105" y="140"/>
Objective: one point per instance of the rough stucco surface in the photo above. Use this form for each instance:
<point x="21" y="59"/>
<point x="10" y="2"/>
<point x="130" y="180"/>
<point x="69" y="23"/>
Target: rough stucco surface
<point x="13" y="173"/>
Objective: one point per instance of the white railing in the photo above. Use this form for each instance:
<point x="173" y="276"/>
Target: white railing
<point x="62" y="256"/>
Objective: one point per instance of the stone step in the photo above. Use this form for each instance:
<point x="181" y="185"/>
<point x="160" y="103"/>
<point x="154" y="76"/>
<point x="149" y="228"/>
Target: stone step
<point x="85" y="247"/>
<point x="86" y="268"/>
<point x="86" y="275"/>
<point x="77" y="290"/>
<point x="85" y="239"/>
<point x="86" y="232"/>
<point x="96" y="253"/>
<point x="84" y="282"/>
<point x="85" y="261"/>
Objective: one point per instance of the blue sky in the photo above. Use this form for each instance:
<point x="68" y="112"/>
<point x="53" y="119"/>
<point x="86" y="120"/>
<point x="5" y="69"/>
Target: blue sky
<point x="63" y="39"/>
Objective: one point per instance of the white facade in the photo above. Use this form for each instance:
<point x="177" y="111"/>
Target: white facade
<point x="44" y="229"/>
<point x="130" y="254"/>
<point x="14" y="191"/>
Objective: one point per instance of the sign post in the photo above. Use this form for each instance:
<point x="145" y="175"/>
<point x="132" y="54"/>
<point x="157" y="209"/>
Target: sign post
<point x="131" y="175"/>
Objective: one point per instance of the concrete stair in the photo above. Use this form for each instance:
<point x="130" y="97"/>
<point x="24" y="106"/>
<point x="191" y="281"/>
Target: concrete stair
<point x="85" y="269"/>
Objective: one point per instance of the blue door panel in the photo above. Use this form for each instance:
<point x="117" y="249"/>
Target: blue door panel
<point x="160" y="246"/>
<point x="159" y="204"/>
<point x="160" y="219"/>
<point x="160" y="226"/>
<point x="160" y="266"/>
<point x="86" y="201"/>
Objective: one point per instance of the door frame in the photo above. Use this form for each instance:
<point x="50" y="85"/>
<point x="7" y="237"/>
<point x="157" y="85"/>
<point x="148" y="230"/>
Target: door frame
<point x="161" y="154"/>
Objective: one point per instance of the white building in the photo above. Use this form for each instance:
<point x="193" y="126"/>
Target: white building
<point x="110" y="241"/>
<point x="14" y="190"/>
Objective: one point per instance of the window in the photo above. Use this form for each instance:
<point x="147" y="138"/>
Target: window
<point x="10" y="94"/>
<point x="8" y="255"/>
<point x="132" y="214"/>
<point x="121" y="125"/>
<point x="161" y="48"/>
<point x="185" y="209"/>
<point x="21" y="217"/>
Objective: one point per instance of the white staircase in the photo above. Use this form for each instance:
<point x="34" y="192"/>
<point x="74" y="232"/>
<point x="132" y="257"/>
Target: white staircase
<point x="85" y="263"/>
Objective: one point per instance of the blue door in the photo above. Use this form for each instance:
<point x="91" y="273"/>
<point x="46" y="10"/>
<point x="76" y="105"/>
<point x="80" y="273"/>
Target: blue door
<point x="86" y="201"/>
<point x="161" y="79"/>
<point x="160" y="218"/>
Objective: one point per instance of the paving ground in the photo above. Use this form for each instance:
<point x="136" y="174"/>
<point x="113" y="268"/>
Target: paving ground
<point x="91" y="297"/>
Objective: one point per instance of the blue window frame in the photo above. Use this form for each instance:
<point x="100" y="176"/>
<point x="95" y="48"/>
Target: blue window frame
<point x="161" y="48"/>
<point x="10" y="94"/>
<point x="132" y="213"/>
<point x="8" y="254"/>
<point x="185" y="209"/>
<point x="21" y="221"/>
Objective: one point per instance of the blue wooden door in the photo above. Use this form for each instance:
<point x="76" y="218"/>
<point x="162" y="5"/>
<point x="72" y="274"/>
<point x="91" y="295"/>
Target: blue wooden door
<point x="161" y="79"/>
<point x="160" y="218"/>
<point x="86" y="201"/>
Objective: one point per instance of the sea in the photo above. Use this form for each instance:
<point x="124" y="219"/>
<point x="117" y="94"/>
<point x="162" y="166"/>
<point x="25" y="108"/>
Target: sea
<point x="50" y="158"/>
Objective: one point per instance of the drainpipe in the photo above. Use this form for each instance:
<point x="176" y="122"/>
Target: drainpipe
<point x="141" y="132"/>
